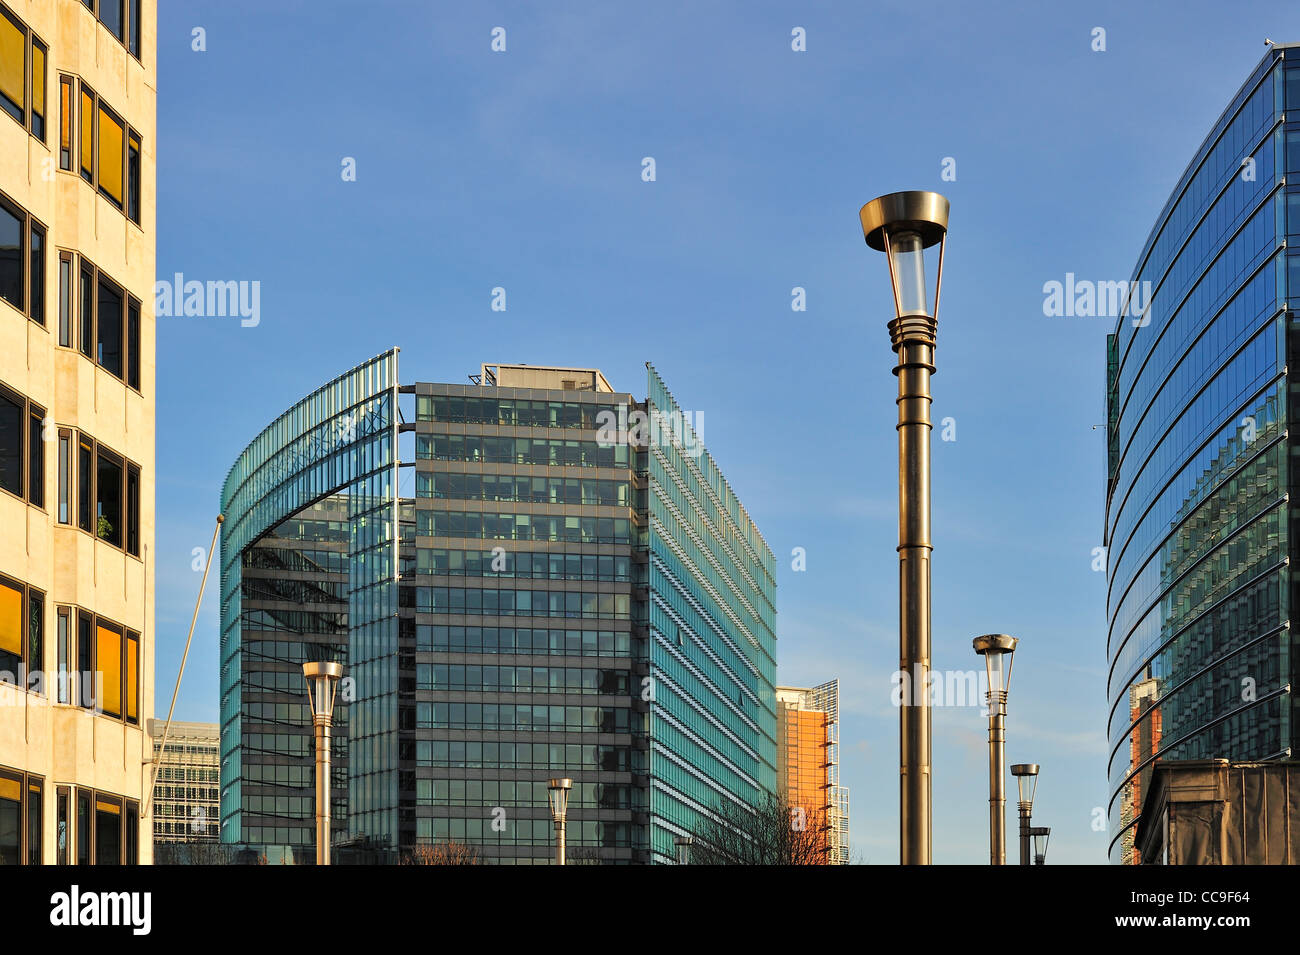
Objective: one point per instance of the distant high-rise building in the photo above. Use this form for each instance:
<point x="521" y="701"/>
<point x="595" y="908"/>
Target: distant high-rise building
<point x="78" y="92"/>
<point x="807" y="762"/>
<point x="1199" y="494"/>
<point x="189" y="777"/>
<point x="572" y="589"/>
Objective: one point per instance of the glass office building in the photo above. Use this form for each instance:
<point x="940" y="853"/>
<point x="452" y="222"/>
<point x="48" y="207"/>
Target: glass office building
<point x="309" y="572"/>
<point x="573" y="590"/>
<point x="1198" y="477"/>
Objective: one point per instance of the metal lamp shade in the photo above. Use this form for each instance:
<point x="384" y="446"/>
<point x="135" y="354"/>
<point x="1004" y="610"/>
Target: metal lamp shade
<point x="558" y="793"/>
<point x="1041" y="835"/>
<point x="322" y="683"/>
<point x="903" y="225"/>
<point x="998" y="651"/>
<point x="1026" y="780"/>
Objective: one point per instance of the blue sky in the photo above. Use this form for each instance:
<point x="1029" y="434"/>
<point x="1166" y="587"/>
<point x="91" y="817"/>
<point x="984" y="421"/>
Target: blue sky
<point x="522" y="170"/>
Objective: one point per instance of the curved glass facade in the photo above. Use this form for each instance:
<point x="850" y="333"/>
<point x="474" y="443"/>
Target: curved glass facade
<point x="309" y="571"/>
<point x="1197" y="513"/>
<point x="712" y="622"/>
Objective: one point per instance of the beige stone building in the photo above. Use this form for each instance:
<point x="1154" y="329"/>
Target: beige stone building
<point x="78" y="92"/>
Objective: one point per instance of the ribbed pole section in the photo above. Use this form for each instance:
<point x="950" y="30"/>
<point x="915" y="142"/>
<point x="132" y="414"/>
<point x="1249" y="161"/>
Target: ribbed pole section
<point x="913" y="338"/>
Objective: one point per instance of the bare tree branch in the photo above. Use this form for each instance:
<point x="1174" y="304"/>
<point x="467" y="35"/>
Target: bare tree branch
<point x="771" y="832"/>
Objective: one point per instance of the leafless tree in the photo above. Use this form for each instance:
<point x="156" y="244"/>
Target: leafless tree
<point x="770" y="832"/>
<point x="195" y="853"/>
<point x="442" y="853"/>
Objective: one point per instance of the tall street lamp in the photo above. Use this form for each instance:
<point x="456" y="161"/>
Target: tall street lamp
<point x="1041" y="834"/>
<point x="322" y="684"/>
<point x="1026" y="782"/>
<point x="903" y="225"/>
<point x="558" y="792"/>
<point x="993" y="647"/>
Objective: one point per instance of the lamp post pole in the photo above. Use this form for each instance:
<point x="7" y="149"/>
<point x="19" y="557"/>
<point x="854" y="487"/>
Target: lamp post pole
<point x="903" y="225"/>
<point x="993" y="647"/>
<point x="322" y="682"/>
<point x="1026" y="782"/>
<point x="558" y="791"/>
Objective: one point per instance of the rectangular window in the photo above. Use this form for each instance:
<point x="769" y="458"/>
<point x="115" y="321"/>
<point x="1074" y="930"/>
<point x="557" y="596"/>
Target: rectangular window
<point x="37" y="309"/>
<point x="132" y="833"/>
<point x="35" y="636"/>
<point x="11" y="628"/>
<point x="133" y="510"/>
<point x="61" y="842"/>
<point x="87" y="309"/>
<point x="38" y="89"/>
<point x="132" y="677"/>
<point x="112" y="16"/>
<point x="11" y="442"/>
<point x="133" y="178"/>
<point x="65" y="123"/>
<point x="12" y="253"/>
<point x="64" y="639"/>
<point x="85" y="695"/>
<point x="11" y="818"/>
<point x="83" y="827"/>
<point x="36" y="456"/>
<point x="65" y="476"/>
<point x="133" y="343"/>
<point x="111" y="139"/>
<point x="35" y="849"/>
<point x="65" y="299"/>
<point x="108" y="498"/>
<point x="134" y="9"/>
<point x="108" y="830"/>
<point x="108" y="659"/>
<point x="13" y="57"/>
<point x="108" y="325"/>
<point x="87" y="135"/>
<point x="85" y="482"/>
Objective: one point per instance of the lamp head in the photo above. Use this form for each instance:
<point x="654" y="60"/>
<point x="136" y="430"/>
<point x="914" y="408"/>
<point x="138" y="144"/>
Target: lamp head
<point x="1026" y="780"/>
<point x="322" y="683"/>
<point x="903" y="225"/>
<point x="558" y="793"/>
<point x="1041" y="836"/>
<point x="993" y="647"/>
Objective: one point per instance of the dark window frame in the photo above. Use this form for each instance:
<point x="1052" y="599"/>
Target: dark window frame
<point x="103" y="110"/>
<point x="84" y="330"/>
<point x="85" y="478"/>
<point x="32" y="645"/>
<point x="30" y="295"/>
<point x="131" y="32"/>
<point x="29" y="410"/>
<point x="67" y="115"/>
<point x="28" y="107"/>
<point x="132" y="174"/>
<point x="82" y="622"/>
<point x="27" y="784"/>
<point x="63" y="825"/>
<point x="67" y="299"/>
